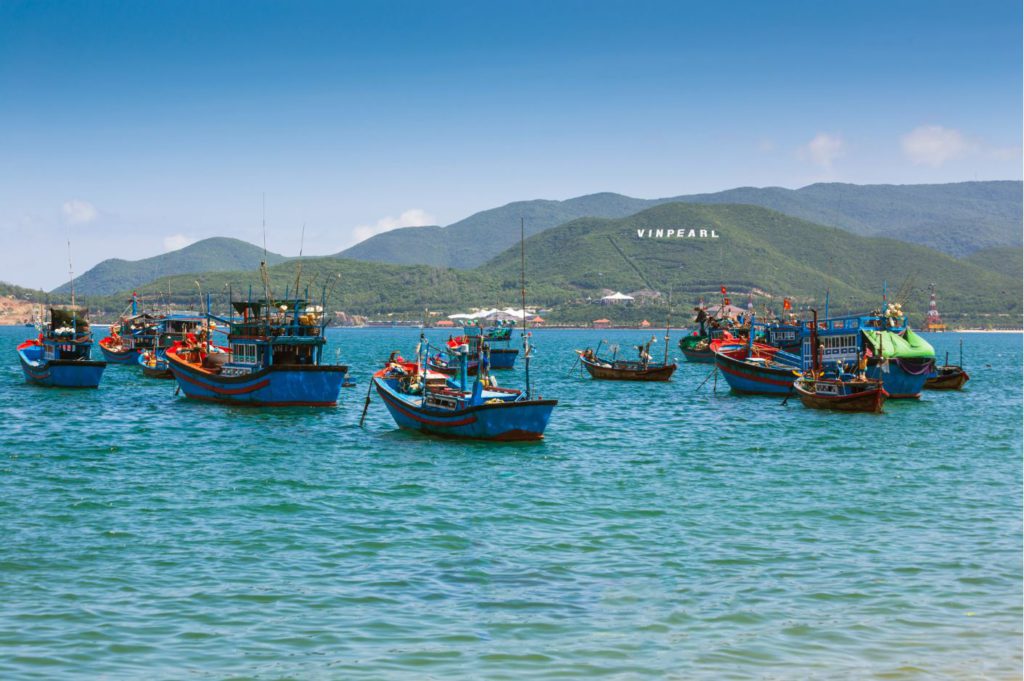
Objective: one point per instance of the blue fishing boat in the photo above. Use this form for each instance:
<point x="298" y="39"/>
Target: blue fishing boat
<point x="133" y="334"/>
<point x="498" y="340"/>
<point x="756" y="368"/>
<point x="432" y="402"/>
<point x="890" y="351"/>
<point x="274" y="357"/>
<point x="174" y="327"/>
<point x="62" y="354"/>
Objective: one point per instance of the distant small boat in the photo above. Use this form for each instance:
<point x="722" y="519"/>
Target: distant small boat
<point x="61" y="356"/>
<point x="133" y="334"/>
<point x="500" y="352"/>
<point x="641" y="369"/>
<point x="948" y="376"/>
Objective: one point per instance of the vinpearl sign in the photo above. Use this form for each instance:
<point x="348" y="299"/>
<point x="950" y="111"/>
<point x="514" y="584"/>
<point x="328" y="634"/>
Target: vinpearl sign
<point x="676" y="234"/>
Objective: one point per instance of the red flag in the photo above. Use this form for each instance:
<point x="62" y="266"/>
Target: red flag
<point x="723" y="290"/>
<point x="726" y="300"/>
<point x="786" y="305"/>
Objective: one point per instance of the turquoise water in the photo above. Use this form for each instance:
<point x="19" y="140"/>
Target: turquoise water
<point x="657" y="532"/>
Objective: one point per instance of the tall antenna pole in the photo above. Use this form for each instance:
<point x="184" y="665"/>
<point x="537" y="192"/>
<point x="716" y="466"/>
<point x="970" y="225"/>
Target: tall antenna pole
<point x="298" y="271"/>
<point x="71" y="269"/>
<point x="668" y="325"/>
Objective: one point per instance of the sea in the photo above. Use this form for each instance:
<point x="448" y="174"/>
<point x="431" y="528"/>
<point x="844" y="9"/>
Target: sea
<point x="659" y="531"/>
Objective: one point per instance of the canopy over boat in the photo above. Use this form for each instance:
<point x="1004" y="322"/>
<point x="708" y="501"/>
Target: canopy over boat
<point x="891" y="345"/>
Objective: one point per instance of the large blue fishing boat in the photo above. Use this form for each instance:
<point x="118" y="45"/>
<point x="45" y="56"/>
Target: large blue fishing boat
<point x="274" y="357"/>
<point x="890" y="350"/>
<point x="62" y="354"/>
<point x="432" y="402"/>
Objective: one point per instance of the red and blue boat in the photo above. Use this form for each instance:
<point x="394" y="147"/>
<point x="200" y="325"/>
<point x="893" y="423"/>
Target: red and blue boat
<point x="274" y="358"/>
<point x="133" y="334"/>
<point x="432" y="402"/>
<point x="172" y="328"/>
<point x="62" y="354"/>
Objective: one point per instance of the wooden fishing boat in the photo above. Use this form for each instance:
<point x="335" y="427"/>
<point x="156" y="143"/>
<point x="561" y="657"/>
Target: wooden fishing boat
<point x="947" y="377"/>
<point x="274" y="358"/>
<point x="840" y="392"/>
<point x="62" y="354"/>
<point x="864" y="395"/>
<point x="621" y="370"/>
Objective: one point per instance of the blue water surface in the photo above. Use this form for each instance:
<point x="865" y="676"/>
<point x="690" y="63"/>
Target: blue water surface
<point x="659" y="531"/>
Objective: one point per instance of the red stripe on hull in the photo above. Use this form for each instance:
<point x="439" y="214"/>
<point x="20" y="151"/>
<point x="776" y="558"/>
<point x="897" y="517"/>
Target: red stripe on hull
<point x="226" y="391"/>
<point x="419" y="419"/>
<point x="753" y="377"/>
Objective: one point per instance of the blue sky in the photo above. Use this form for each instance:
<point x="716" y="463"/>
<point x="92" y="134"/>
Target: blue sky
<point x="140" y="127"/>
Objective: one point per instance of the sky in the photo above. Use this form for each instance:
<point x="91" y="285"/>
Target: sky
<point x="138" y="128"/>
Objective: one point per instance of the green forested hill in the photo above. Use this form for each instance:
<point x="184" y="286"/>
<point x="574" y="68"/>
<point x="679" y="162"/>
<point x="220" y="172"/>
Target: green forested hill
<point x="1005" y="260"/>
<point x="208" y="255"/>
<point x="957" y="219"/>
<point x="757" y="250"/>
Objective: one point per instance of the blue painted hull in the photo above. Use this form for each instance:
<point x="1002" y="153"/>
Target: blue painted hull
<point x="60" y="373"/>
<point x="285" y="386"/>
<point x="503" y="358"/>
<point x="159" y="369"/>
<point x="124" y="357"/>
<point x="524" y="420"/>
<point x="755" y="380"/>
<point x="898" y="382"/>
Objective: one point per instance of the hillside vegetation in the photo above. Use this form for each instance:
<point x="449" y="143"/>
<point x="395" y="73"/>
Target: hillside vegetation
<point x="208" y="255"/>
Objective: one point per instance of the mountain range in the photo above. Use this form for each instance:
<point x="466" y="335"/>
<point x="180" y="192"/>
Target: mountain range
<point x="957" y="219"/>
<point x="758" y="251"/>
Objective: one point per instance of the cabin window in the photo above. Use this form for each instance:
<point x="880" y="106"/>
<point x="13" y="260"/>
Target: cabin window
<point x="243" y="353"/>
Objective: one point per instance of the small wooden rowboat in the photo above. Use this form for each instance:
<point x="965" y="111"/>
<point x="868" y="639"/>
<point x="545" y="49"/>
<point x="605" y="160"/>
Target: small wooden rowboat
<point x="837" y="395"/>
<point x="621" y="370"/>
<point x="947" y="377"/>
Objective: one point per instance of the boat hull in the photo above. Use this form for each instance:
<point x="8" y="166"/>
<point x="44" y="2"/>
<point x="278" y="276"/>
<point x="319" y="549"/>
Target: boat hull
<point x="749" y="379"/>
<point x="865" y="401"/>
<point x="448" y="370"/>
<point x="505" y="421"/>
<point x="284" y="386"/>
<point x="661" y="372"/>
<point x="699" y="356"/>
<point x="948" y="381"/>
<point x="503" y="358"/>
<point x="129" y="356"/>
<point x="159" y="369"/>
<point x="59" y="373"/>
<point x="902" y="379"/>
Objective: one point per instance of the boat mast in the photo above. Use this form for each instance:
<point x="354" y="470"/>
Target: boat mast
<point x="668" y="325"/>
<point x="71" y="276"/>
<point x="522" y="289"/>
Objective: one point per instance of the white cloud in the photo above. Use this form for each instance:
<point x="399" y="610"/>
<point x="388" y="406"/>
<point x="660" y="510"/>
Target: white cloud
<point x="78" y="212"/>
<point x="933" y="145"/>
<point x="823" y="149"/>
<point x="176" y="242"/>
<point x="414" y="217"/>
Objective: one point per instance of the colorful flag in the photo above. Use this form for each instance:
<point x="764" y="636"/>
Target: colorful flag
<point x="723" y="290"/>
<point x="786" y="305"/>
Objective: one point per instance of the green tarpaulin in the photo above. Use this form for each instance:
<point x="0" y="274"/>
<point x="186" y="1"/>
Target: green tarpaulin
<point x="894" y="346"/>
